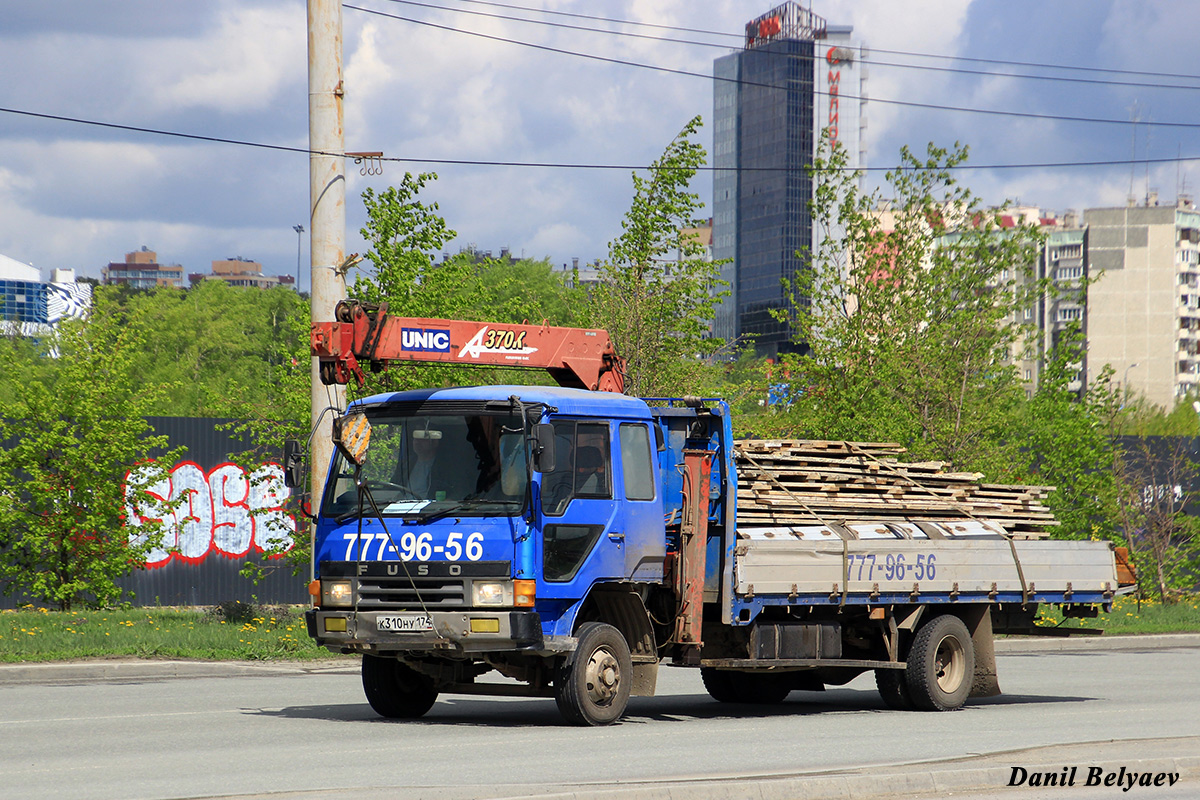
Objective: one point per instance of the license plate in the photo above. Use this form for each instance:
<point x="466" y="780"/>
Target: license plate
<point x="404" y="622"/>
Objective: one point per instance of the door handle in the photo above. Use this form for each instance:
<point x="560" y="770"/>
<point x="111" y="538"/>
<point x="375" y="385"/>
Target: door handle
<point x="615" y="536"/>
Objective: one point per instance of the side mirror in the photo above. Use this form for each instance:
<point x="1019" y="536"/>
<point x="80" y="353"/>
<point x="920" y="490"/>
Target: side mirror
<point x="293" y="464"/>
<point x="545" y="450"/>
<point x="304" y="503"/>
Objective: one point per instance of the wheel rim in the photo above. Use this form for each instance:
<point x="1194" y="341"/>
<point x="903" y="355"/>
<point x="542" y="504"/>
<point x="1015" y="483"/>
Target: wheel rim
<point x="949" y="664"/>
<point x="603" y="676"/>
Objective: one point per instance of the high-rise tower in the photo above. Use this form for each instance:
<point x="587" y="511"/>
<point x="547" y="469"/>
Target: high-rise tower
<point x="795" y="77"/>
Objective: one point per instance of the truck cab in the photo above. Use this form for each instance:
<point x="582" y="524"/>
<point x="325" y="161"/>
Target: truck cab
<point x="483" y="521"/>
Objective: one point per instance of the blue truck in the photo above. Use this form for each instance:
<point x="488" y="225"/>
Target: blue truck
<point x="571" y="540"/>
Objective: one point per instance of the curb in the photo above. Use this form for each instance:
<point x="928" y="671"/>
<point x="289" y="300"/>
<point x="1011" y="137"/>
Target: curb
<point x="134" y="669"/>
<point x="1041" y="644"/>
<point x="117" y="670"/>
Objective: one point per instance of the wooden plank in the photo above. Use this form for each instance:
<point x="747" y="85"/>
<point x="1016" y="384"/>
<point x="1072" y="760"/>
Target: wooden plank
<point x="788" y="480"/>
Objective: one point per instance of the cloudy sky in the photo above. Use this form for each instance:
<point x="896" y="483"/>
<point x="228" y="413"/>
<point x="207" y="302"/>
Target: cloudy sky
<point x="80" y="195"/>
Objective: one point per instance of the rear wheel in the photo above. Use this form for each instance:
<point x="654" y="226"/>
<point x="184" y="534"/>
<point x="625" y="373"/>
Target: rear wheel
<point x="593" y="685"/>
<point x="941" y="663"/>
<point x="893" y="689"/>
<point x="396" y="690"/>
<point x="746" y="687"/>
<point x="718" y="684"/>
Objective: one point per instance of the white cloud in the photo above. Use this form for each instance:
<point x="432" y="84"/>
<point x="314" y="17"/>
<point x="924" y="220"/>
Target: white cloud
<point x="240" y="65"/>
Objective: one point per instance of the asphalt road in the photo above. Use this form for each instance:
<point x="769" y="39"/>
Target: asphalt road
<point x="124" y="731"/>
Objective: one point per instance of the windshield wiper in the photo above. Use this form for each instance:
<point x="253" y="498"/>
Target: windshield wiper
<point x="469" y="502"/>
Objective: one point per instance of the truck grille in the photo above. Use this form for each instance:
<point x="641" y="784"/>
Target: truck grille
<point x="388" y="594"/>
<point x="391" y="586"/>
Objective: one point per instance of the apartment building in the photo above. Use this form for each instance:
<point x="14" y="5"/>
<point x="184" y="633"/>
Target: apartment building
<point x="238" y="271"/>
<point x="1143" y="307"/>
<point x="141" y="270"/>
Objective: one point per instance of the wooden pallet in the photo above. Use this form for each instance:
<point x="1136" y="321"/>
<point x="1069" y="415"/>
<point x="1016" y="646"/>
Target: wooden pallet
<point x="806" y="482"/>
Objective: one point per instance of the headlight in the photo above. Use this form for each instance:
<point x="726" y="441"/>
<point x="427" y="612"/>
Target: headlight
<point x="492" y="593"/>
<point x="335" y="593"/>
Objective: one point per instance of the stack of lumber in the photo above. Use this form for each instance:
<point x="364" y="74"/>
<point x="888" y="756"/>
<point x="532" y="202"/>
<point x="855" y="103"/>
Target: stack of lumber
<point x="806" y="482"/>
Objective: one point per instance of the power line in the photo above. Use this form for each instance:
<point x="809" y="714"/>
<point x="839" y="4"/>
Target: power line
<point x="740" y="37"/>
<point x="604" y="19"/>
<point x="557" y="165"/>
<point x="159" y="132"/>
<point x="873" y="62"/>
<point x="843" y="96"/>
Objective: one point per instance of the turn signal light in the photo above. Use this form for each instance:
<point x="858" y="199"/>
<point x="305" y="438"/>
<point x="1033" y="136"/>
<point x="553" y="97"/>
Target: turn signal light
<point x="523" y="593"/>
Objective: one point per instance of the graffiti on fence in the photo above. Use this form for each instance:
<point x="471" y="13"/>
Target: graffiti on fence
<point x="224" y="510"/>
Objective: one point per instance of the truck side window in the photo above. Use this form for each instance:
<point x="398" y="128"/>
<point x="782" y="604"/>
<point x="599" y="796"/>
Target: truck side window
<point x="583" y="467"/>
<point x="635" y="462"/>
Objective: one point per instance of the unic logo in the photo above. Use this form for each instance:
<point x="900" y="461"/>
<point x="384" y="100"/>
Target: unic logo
<point x="422" y="340"/>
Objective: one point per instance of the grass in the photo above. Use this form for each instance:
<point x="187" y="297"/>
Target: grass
<point x="1127" y="617"/>
<point x="229" y="632"/>
<point x="235" y="631"/>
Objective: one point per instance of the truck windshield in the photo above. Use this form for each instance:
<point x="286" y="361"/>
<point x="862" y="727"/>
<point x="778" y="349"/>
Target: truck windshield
<point x="423" y="465"/>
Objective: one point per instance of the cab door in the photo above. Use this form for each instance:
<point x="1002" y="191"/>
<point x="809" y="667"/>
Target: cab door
<point x="640" y="516"/>
<point x="579" y="543"/>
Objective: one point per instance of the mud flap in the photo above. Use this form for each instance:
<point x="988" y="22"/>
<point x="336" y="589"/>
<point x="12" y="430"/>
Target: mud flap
<point x="985" y="682"/>
<point x="645" y="678"/>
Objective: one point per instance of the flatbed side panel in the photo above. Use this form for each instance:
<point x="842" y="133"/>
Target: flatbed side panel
<point x="978" y="567"/>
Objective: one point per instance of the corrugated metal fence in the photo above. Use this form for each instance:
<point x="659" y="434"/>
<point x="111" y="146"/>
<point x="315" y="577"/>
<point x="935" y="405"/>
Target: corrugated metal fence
<point x="217" y="535"/>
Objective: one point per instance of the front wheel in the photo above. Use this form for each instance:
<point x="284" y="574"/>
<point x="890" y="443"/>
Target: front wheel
<point x="593" y="686"/>
<point x="396" y="690"/>
<point x="941" y="664"/>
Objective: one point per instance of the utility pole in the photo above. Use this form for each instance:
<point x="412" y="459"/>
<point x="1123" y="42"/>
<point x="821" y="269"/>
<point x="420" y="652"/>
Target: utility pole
<point x="327" y="206"/>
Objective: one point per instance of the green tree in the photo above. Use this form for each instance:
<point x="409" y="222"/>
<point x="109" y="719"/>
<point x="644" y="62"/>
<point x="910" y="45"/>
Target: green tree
<point x="910" y="312"/>
<point x="270" y="413"/>
<point x="404" y="235"/>
<point x="531" y="290"/>
<point x="68" y="446"/>
<point x="657" y="291"/>
<point x="221" y="345"/>
<point x="1065" y="443"/>
<point x="1155" y="478"/>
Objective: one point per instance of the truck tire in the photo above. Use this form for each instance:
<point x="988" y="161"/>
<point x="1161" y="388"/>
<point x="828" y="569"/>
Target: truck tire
<point x="941" y="663"/>
<point x="746" y="687"/>
<point x="893" y="689"/>
<point x="396" y="690"/>
<point x="592" y="687"/>
<point x="719" y="684"/>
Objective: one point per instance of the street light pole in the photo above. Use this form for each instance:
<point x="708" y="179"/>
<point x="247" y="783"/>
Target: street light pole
<point x="299" y="229"/>
<point x="1125" y="383"/>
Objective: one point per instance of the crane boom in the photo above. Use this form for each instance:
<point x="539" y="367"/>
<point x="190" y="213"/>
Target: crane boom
<point x="364" y="333"/>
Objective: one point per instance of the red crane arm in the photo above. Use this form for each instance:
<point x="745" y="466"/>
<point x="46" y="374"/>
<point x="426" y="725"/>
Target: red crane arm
<point x="365" y="334"/>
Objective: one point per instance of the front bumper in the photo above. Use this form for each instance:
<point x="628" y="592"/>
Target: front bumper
<point x="465" y="631"/>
